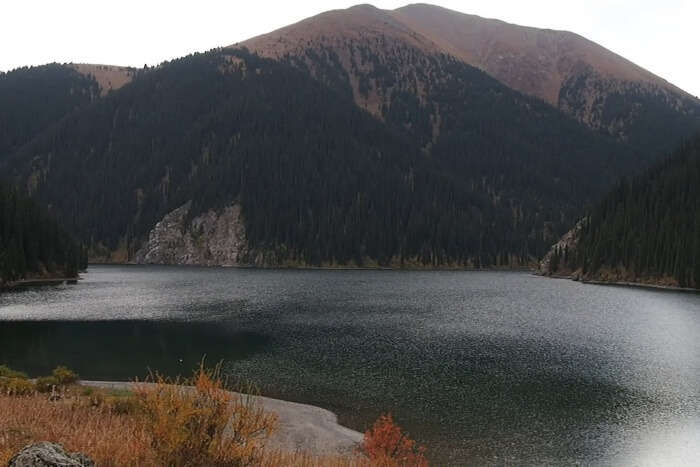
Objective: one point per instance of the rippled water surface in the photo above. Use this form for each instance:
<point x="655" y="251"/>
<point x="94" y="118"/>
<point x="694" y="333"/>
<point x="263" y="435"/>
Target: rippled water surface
<point x="483" y="367"/>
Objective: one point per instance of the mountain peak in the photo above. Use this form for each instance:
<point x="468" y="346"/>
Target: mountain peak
<point x="364" y="7"/>
<point x="534" y="61"/>
<point x="364" y="45"/>
<point x="357" y="22"/>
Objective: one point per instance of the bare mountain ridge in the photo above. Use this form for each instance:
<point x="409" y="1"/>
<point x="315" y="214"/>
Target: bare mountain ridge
<point x="566" y="70"/>
<point x="534" y="61"/>
<point x="108" y="77"/>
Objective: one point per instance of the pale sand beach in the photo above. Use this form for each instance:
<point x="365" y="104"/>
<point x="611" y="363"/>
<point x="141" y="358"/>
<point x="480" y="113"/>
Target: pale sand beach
<point x="301" y="427"/>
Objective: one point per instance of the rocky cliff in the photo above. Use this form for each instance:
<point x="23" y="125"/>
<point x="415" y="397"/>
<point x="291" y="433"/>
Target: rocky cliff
<point x="214" y="238"/>
<point x="556" y="261"/>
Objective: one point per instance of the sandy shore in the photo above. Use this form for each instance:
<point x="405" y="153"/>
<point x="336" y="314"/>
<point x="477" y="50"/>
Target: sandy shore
<point x="301" y="427"/>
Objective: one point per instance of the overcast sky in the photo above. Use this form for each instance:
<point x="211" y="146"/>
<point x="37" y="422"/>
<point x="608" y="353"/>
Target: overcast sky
<point x="660" y="35"/>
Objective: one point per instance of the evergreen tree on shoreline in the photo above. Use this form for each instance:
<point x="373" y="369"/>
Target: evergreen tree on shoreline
<point x="648" y="228"/>
<point x="32" y="244"/>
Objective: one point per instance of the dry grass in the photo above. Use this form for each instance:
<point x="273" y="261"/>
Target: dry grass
<point x="302" y="459"/>
<point x="110" y="438"/>
<point x="117" y="439"/>
<point x="168" y="423"/>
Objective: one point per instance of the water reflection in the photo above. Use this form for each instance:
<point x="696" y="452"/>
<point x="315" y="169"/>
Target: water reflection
<point x="122" y="350"/>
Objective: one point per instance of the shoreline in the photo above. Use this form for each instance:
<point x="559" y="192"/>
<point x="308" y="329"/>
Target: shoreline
<point x="325" y="268"/>
<point x="642" y="285"/>
<point x="302" y="427"/>
<point x="15" y="285"/>
<point x="670" y="288"/>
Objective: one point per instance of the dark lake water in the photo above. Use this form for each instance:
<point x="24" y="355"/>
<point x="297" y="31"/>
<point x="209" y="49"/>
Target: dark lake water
<point x="483" y="367"/>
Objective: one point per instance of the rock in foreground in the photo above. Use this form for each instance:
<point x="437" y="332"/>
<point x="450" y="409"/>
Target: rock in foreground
<point x="47" y="454"/>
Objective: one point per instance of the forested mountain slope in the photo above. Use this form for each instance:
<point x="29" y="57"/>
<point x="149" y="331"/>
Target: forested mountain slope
<point x="646" y="230"/>
<point x="315" y="179"/>
<point x="364" y="139"/>
<point x="32" y="245"/>
<point x="31" y="99"/>
<point x="34" y="98"/>
<point x="588" y="82"/>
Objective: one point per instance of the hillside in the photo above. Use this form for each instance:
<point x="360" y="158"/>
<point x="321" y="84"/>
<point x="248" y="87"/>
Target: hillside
<point x="588" y="82"/>
<point x="241" y="169"/>
<point x="357" y="137"/>
<point x="646" y="230"/>
<point x="34" y="98"/>
<point x="534" y="61"/>
<point x="108" y="77"/>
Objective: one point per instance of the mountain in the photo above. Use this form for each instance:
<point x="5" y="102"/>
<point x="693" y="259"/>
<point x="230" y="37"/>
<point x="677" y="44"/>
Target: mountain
<point x="351" y="139"/>
<point x="32" y="245"/>
<point x="534" y="61"/>
<point x="588" y="82"/>
<point x="169" y="167"/>
<point x="34" y="98"/>
<point x="646" y="230"/>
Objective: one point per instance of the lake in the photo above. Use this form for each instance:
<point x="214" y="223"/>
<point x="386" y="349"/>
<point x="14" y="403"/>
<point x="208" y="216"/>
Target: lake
<point x="483" y="367"/>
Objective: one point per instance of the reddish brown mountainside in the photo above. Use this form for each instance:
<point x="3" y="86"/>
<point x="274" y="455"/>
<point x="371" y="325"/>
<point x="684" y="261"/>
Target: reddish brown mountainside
<point x="357" y="22"/>
<point x="562" y="68"/>
<point x="344" y="32"/>
<point x="533" y="61"/>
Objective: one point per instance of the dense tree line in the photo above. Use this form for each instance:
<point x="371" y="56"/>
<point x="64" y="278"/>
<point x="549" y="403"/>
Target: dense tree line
<point x="31" y="242"/>
<point x="32" y="98"/>
<point x="493" y="182"/>
<point x="647" y="228"/>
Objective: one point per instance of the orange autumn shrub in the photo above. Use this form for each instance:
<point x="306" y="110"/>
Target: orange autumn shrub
<point x="387" y="446"/>
<point x="203" y="424"/>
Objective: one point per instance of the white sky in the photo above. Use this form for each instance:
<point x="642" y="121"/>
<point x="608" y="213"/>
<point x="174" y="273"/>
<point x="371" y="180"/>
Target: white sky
<point x="660" y="35"/>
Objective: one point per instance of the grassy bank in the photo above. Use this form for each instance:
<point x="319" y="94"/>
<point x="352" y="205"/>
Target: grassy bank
<point x="162" y="422"/>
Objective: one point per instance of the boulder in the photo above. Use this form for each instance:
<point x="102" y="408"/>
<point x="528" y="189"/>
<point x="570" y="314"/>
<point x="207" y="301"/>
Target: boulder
<point x="47" y="454"/>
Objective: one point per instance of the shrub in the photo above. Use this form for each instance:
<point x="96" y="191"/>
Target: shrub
<point x="7" y="372"/>
<point x="203" y="424"/>
<point x="123" y="405"/>
<point x="386" y="445"/>
<point x="64" y="376"/>
<point x="160" y="423"/>
<point x="60" y="376"/>
<point x="45" y="383"/>
<point x="16" y="386"/>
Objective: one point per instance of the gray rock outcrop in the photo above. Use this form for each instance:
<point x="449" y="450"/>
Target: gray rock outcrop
<point x="553" y="263"/>
<point x="47" y="454"/>
<point x="214" y="238"/>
